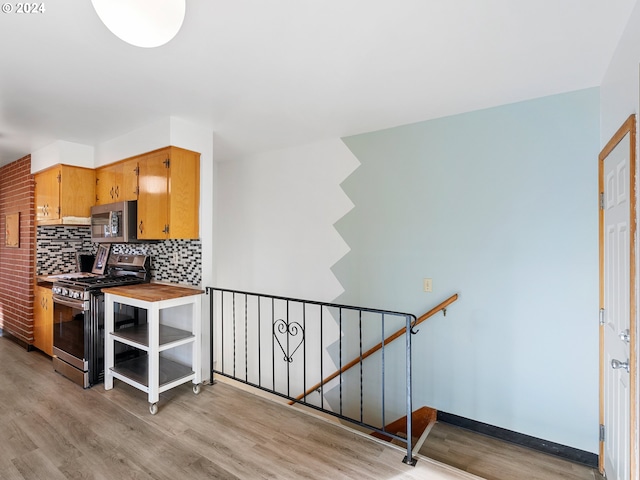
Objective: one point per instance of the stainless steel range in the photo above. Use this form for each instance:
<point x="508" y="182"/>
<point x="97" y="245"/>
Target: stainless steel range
<point x="78" y="323"/>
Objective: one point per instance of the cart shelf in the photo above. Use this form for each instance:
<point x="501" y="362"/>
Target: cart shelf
<point x="151" y="372"/>
<point x="138" y="337"/>
<point x="137" y="371"/>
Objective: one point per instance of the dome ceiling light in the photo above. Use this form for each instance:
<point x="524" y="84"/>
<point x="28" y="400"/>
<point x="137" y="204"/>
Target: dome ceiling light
<point x="142" y="23"/>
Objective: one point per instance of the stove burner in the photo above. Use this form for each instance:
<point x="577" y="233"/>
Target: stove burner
<point x="124" y="270"/>
<point x="101" y="280"/>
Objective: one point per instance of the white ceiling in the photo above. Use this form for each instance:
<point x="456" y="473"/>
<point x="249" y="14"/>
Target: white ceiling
<point x="266" y="74"/>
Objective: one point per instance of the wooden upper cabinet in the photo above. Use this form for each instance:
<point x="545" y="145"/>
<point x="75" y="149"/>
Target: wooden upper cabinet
<point x="117" y="182"/>
<point x="153" y="196"/>
<point x="47" y="195"/>
<point x="128" y="180"/>
<point x="105" y="185"/>
<point x="64" y="191"/>
<point x="169" y="194"/>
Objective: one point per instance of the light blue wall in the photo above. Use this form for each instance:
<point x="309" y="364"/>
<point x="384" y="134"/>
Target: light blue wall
<point x="500" y="206"/>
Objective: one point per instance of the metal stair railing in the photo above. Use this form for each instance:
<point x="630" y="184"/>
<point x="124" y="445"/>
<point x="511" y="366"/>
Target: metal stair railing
<point x="440" y="307"/>
<point x="281" y="345"/>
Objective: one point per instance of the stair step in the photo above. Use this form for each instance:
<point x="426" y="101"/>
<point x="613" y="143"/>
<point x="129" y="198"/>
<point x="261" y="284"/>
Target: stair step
<point x="421" y="420"/>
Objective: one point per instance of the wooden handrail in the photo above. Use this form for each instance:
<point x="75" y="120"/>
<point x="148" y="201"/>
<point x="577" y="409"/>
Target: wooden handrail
<point x="372" y="350"/>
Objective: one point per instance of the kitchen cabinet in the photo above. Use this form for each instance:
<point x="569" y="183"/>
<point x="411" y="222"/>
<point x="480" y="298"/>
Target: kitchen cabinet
<point x="43" y="320"/>
<point x="154" y="371"/>
<point x="64" y="195"/>
<point x="169" y="194"/>
<point x="117" y="182"/>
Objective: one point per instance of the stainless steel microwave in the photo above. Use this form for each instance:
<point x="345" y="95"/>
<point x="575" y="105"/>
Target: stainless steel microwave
<point x="114" y="222"/>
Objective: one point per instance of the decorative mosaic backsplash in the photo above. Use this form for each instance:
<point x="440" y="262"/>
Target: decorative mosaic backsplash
<point x="176" y="261"/>
<point x="56" y="248"/>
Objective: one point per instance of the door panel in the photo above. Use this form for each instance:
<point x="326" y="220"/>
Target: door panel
<point x="617" y="299"/>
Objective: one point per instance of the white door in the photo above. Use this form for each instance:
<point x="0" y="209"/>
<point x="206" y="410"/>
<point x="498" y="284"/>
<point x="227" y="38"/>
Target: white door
<point x="617" y="235"/>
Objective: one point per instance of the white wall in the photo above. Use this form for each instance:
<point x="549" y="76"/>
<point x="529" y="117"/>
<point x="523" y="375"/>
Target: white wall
<point x="275" y="235"/>
<point x="276" y="213"/>
<point x="619" y="91"/>
<point x="61" y="151"/>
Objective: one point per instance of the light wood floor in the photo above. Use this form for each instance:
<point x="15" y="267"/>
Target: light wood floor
<point x="494" y="459"/>
<point x="52" y="429"/>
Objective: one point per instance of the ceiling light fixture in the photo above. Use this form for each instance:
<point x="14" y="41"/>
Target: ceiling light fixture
<point x="143" y="23"/>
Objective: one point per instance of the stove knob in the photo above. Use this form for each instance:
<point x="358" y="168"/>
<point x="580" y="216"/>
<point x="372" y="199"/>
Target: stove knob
<point x="76" y="294"/>
<point x="56" y="290"/>
<point x="65" y="292"/>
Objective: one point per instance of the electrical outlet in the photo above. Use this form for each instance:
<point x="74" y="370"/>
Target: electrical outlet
<point x="175" y="257"/>
<point x="428" y="285"/>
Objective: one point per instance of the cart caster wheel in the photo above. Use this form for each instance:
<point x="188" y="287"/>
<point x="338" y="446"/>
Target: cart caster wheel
<point x="196" y="388"/>
<point x="153" y="408"/>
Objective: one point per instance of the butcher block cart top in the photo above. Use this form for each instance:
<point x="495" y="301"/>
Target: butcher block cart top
<point x="152" y="372"/>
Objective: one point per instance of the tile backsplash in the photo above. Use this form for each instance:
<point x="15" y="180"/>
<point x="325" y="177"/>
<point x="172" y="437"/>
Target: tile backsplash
<point x="176" y="261"/>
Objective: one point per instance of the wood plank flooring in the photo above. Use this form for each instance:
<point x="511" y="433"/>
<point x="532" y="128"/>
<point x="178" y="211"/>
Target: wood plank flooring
<point x="52" y="429"/>
<point x="494" y="459"/>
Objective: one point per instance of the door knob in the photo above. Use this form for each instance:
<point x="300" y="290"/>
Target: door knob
<point x="624" y="336"/>
<point x="616" y="364"/>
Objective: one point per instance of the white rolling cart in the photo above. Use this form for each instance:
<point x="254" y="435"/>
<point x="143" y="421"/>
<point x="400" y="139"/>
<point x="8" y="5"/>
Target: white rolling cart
<point x="152" y="372"/>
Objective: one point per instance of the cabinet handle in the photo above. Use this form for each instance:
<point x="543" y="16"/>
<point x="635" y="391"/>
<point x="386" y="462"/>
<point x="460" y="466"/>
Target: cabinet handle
<point x="111" y="193"/>
<point x="140" y="226"/>
<point x="117" y="191"/>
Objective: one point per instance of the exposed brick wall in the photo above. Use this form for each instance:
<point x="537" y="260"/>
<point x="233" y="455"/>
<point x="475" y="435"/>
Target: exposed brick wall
<point x="17" y="264"/>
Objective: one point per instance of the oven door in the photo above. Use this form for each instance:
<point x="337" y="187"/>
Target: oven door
<point x="69" y="318"/>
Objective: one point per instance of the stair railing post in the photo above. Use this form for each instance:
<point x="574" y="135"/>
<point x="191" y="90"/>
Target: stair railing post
<point x="409" y="460"/>
<point x="211" y="293"/>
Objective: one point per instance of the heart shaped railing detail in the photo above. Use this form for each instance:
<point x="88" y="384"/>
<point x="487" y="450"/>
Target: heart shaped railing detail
<point x="286" y="332"/>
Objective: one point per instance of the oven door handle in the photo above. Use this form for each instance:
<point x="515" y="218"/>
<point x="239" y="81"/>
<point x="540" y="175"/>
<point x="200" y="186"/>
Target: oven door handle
<point x="79" y="304"/>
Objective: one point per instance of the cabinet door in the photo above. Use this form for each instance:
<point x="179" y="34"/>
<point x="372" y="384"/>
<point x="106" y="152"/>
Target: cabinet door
<point x="127" y="180"/>
<point x="77" y="191"/>
<point x="43" y="320"/>
<point x="47" y="195"/>
<point x="184" y="194"/>
<point x="152" y="195"/>
<point x="105" y="185"/>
